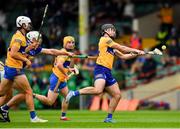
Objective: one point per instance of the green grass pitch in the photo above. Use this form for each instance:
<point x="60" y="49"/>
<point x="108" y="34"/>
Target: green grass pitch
<point x="94" y="119"/>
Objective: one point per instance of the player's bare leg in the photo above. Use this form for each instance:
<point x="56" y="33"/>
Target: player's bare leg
<point x="65" y="105"/>
<point x="5" y="86"/>
<point x="6" y="97"/>
<point x="115" y="93"/>
<point x="49" y="99"/>
<point x="9" y="95"/>
<point x="16" y="99"/>
<point x="98" y="88"/>
<point x="24" y="87"/>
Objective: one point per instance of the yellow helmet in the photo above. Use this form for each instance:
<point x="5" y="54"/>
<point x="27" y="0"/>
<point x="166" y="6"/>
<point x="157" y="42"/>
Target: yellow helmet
<point x="68" y="39"/>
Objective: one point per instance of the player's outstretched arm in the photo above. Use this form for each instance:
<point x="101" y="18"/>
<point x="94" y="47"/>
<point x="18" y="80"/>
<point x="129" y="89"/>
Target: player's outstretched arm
<point x="125" y="49"/>
<point x="124" y="56"/>
<point x="31" y="47"/>
<point x="55" y="52"/>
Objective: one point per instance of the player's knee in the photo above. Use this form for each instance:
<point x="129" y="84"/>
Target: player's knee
<point x="29" y="92"/>
<point x="98" y="91"/>
<point x="2" y="93"/>
<point x="117" y="96"/>
<point x="50" y="102"/>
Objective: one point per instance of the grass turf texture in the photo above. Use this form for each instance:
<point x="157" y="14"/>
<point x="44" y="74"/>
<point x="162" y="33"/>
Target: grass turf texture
<point x="93" y="119"/>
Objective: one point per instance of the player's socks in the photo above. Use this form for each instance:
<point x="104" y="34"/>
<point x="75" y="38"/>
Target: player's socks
<point x="109" y="119"/>
<point x="32" y="114"/>
<point x="63" y="114"/>
<point x="109" y="115"/>
<point x="35" y="118"/>
<point x="76" y="93"/>
<point x="63" y="117"/>
<point x="71" y="94"/>
<point x="5" y="107"/>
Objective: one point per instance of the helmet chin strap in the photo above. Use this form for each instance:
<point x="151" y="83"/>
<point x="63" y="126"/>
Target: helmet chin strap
<point x="69" y="49"/>
<point x="25" y="28"/>
<point x="109" y="35"/>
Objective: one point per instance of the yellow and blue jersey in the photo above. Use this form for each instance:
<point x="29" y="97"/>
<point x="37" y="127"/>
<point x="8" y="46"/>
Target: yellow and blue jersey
<point x="58" y="79"/>
<point x="13" y="67"/>
<point x="104" y="62"/>
<point x="106" y="54"/>
<point x="18" y="40"/>
<point x="66" y="63"/>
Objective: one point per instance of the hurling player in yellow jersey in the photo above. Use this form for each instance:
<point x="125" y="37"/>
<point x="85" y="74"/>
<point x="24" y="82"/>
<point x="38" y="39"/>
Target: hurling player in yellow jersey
<point x="102" y="73"/>
<point x="59" y="77"/>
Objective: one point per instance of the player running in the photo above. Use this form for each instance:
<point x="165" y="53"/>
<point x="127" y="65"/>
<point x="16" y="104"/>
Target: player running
<point x="102" y="73"/>
<point x="16" y="58"/>
<point x="59" y="77"/>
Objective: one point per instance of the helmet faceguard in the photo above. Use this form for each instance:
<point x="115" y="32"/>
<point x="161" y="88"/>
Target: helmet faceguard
<point x="105" y="27"/>
<point x="24" y="20"/>
<point x="33" y="35"/>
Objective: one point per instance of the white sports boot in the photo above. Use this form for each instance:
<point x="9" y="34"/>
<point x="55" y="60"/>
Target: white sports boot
<point x="38" y="120"/>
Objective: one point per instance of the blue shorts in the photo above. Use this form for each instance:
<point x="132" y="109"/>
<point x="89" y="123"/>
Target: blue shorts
<point x="11" y="73"/>
<point x="101" y="72"/>
<point x="55" y="84"/>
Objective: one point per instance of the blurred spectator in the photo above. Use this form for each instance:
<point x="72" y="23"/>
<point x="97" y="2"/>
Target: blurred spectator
<point x="120" y="64"/>
<point x="45" y="84"/>
<point x="128" y="9"/>
<point x="2" y="47"/>
<point x="89" y="64"/>
<point x="137" y="65"/>
<point x="147" y="105"/>
<point x="148" y="70"/>
<point x="166" y="61"/>
<point x="161" y="38"/>
<point x="145" y="67"/>
<point x="3" y="19"/>
<point x="35" y="80"/>
<point x="92" y="51"/>
<point x="174" y="51"/>
<point x="174" y="35"/>
<point x="135" y="41"/>
<point x="166" y="17"/>
<point x="37" y="64"/>
<point x="46" y="42"/>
